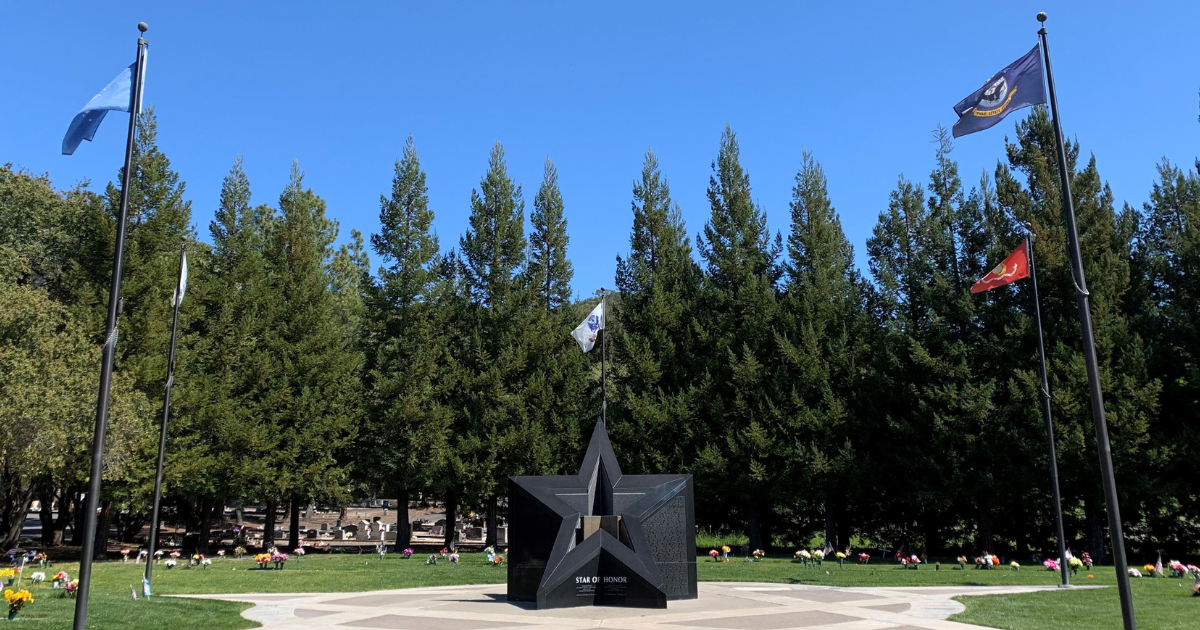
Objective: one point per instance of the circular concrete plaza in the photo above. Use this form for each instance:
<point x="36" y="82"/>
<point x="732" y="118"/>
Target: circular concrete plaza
<point x="721" y="605"/>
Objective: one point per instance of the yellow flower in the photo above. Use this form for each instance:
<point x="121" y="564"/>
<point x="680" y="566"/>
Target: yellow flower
<point x="20" y="597"/>
<point x="7" y="573"/>
<point x="725" y="548"/>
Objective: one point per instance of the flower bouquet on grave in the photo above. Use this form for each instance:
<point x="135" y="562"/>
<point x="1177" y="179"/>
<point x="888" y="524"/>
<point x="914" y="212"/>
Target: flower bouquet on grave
<point x="8" y="575"/>
<point x="1051" y="564"/>
<point x="819" y="557"/>
<point x="841" y="557"/>
<point x="299" y="551"/>
<point x="60" y="580"/>
<point x="1134" y="572"/>
<point x="725" y="553"/>
<point x="444" y="552"/>
<point x="205" y="562"/>
<point x="407" y="553"/>
<point x="864" y="558"/>
<point x="124" y="556"/>
<point x="452" y="559"/>
<point x="38" y="577"/>
<point x="1074" y="564"/>
<point x="41" y="559"/>
<point x="1015" y="565"/>
<point x="962" y="563"/>
<point x="913" y="562"/>
<point x="498" y="560"/>
<point x="70" y="588"/>
<point x="170" y="564"/>
<point x="16" y="601"/>
<point x="263" y="559"/>
<point x="220" y="553"/>
<point x="715" y="555"/>
<point x="195" y="560"/>
<point x="1149" y="569"/>
<point x="757" y="554"/>
<point x="239" y="552"/>
<point x="1087" y="560"/>
<point x="1177" y="569"/>
<point x="279" y="558"/>
<point x="804" y="556"/>
<point x="432" y="559"/>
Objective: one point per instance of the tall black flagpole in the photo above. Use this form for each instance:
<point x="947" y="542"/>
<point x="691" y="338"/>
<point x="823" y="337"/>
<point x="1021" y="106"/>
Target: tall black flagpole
<point x="110" y="346"/>
<point x="604" y="358"/>
<point x="1089" y="354"/>
<point x="1045" y="396"/>
<point x="162" y="436"/>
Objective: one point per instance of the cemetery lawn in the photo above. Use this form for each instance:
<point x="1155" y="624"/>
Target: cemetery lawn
<point x="1161" y="603"/>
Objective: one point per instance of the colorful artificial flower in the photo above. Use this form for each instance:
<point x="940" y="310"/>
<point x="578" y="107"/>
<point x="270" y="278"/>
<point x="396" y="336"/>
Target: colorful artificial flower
<point x="497" y="560"/>
<point x="1015" y="566"/>
<point x="38" y="577"/>
<point x="7" y="573"/>
<point x="714" y="553"/>
<point x="1051" y="564"/>
<point x="408" y="552"/>
<point x="17" y="600"/>
<point x="864" y="558"/>
<point x="1149" y="569"/>
<point x="759" y="554"/>
<point x="1134" y="572"/>
<point x="841" y="556"/>
<point x="453" y="558"/>
<point x="170" y="563"/>
<point x="220" y="553"/>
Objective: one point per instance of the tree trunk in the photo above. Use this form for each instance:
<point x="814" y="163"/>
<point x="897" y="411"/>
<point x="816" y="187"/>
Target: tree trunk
<point x="269" y="527"/>
<point x="105" y="524"/>
<point x="79" y="518"/>
<point x="830" y="528"/>
<point x="491" y="522"/>
<point x="844" y="532"/>
<point x="17" y="496"/>
<point x="403" y="525"/>
<point x="294" y="530"/>
<point x="205" y="526"/>
<point x="451" y="517"/>
<point x="1095" y="532"/>
<point x="756" y="533"/>
<point x="985" y="532"/>
<point x="46" y="516"/>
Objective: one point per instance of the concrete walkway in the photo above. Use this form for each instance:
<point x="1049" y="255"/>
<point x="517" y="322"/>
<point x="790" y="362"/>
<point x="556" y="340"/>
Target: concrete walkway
<point x="722" y="605"/>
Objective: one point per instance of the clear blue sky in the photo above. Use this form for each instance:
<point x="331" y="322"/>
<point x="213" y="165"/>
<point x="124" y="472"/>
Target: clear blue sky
<point x="591" y="85"/>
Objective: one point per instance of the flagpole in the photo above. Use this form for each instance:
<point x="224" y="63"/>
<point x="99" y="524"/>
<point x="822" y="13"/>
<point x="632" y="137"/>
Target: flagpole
<point x="108" y="352"/>
<point x="162" y="435"/>
<point x="1045" y="396"/>
<point x="1089" y="354"/>
<point x="604" y="358"/>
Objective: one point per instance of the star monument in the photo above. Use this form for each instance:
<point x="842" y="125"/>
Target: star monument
<point x="601" y="538"/>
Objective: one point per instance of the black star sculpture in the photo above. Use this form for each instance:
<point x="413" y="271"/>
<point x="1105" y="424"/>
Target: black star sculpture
<point x="600" y="537"/>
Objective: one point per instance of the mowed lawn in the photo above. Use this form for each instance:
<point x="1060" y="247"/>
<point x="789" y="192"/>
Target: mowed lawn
<point x="1161" y="603"/>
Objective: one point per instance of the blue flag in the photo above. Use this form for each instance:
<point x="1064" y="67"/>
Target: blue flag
<point x="116" y="96"/>
<point x="1017" y="85"/>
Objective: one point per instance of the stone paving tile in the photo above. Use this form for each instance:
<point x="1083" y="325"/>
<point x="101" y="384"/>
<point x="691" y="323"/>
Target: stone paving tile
<point x="828" y="596"/>
<point x="385" y="599"/>
<point x="776" y="621"/>
<point x="892" y="608"/>
<point x="405" y="622"/>
<point x="309" y="613"/>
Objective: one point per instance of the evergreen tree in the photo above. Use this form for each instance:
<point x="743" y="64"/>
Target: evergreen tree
<point x="549" y="270"/>
<point x="494" y="437"/>
<point x="748" y="440"/>
<point x="1106" y="239"/>
<point x="658" y="383"/>
<point x="315" y="369"/>
<point x="824" y="350"/>
<point x="405" y="432"/>
<point x="1167" y="264"/>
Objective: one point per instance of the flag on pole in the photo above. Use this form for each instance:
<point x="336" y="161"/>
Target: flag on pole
<point x="588" y="331"/>
<point x="1015" y="267"/>
<point x="116" y="96"/>
<point x="1018" y="85"/>
<point x="176" y="300"/>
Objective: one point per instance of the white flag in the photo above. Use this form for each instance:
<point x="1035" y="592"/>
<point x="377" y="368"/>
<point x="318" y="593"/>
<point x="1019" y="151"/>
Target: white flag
<point x="586" y="332"/>
<point x="182" y="281"/>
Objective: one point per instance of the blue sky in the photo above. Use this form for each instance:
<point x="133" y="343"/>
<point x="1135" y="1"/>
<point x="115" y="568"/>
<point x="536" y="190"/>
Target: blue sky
<point x="339" y="86"/>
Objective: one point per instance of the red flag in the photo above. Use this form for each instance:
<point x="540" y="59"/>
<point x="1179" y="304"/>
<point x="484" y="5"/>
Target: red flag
<point x="1015" y="267"/>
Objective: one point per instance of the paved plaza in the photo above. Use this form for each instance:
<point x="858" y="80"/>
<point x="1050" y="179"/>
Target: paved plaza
<point x="722" y="605"/>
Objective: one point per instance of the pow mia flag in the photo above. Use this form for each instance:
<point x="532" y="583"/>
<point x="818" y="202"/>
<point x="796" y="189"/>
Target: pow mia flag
<point x="1018" y="85"/>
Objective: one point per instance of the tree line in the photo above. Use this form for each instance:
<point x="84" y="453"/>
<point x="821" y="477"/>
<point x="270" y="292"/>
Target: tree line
<point x="806" y="396"/>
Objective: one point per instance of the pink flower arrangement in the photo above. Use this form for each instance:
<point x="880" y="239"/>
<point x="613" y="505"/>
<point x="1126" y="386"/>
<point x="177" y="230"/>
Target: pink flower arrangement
<point x="174" y="554"/>
<point x="300" y="552"/>
<point x="1134" y="573"/>
<point x="1051" y="564"/>
<point x="453" y="558"/>
<point x="915" y="559"/>
<point x="444" y="552"/>
<point x="863" y="558"/>
<point x="220" y="553"/>
<point x="408" y="552"/>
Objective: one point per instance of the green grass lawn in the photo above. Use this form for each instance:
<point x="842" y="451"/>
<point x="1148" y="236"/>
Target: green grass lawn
<point x="1161" y="603"/>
